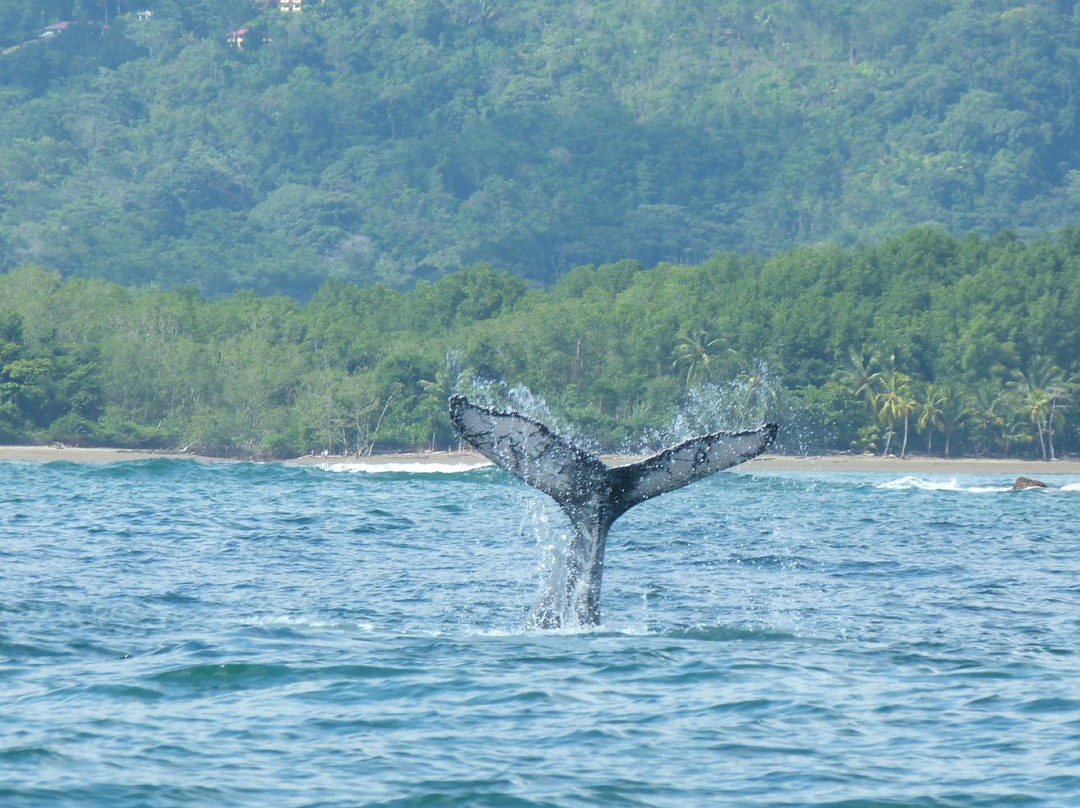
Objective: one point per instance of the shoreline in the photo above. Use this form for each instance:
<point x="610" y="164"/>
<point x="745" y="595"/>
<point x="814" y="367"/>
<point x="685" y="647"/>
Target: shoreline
<point x="79" y="454"/>
<point x="832" y="463"/>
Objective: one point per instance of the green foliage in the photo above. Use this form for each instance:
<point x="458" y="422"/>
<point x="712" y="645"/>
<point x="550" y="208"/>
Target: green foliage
<point x="397" y="142"/>
<point x="924" y="342"/>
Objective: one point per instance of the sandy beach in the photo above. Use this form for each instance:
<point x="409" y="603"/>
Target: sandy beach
<point x="913" y="464"/>
<point x="810" y="463"/>
<point x="78" y="454"/>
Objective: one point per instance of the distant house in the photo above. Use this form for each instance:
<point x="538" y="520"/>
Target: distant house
<point x="56" y="28"/>
<point x="237" y="37"/>
<point x="143" y="16"/>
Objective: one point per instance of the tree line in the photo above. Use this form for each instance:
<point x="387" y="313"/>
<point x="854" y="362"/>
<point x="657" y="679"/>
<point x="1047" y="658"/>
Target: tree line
<point x="925" y="342"/>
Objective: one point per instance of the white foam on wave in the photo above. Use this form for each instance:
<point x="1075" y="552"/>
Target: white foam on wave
<point x="310" y="622"/>
<point x="922" y="484"/>
<point x="401" y="468"/>
<point x="1071" y="487"/>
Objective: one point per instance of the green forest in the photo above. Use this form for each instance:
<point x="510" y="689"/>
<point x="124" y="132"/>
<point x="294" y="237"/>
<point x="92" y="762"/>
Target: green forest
<point x="393" y="141"/>
<point x="238" y="231"/>
<point x="925" y="343"/>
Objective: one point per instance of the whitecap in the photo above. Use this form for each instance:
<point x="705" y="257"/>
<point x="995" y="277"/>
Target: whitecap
<point x="311" y="622"/>
<point x="921" y="484"/>
<point x="402" y="468"/>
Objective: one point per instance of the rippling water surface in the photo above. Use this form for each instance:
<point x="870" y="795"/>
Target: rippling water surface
<point x="176" y="633"/>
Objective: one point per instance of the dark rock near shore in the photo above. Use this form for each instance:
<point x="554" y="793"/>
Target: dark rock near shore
<point x="1026" y="482"/>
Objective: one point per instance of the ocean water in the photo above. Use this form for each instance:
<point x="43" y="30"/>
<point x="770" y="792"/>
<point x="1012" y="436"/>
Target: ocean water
<point x="175" y="633"/>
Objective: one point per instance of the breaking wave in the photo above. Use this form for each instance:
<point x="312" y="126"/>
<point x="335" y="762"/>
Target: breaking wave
<point x="419" y="467"/>
<point x="953" y="484"/>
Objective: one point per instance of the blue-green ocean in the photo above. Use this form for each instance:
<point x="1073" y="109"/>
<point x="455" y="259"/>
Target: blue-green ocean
<point x="176" y="633"/>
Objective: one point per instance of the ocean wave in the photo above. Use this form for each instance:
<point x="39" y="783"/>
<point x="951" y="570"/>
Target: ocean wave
<point x="308" y="622"/>
<point x="952" y="484"/>
<point x="424" y="467"/>
<point x="290" y="636"/>
<point x="922" y="484"/>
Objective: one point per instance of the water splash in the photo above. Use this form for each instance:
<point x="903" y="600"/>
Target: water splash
<point x="754" y="397"/>
<point x="742" y="403"/>
<point x="553" y="543"/>
<point x="501" y="396"/>
<point x="497" y="394"/>
<point x="545" y="527"/>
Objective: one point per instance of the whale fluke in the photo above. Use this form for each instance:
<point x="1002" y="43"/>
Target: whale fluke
<point x="592" y="494"/>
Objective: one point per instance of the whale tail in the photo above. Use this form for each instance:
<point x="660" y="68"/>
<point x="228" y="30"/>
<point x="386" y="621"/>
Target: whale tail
<point x="592" y="494"/>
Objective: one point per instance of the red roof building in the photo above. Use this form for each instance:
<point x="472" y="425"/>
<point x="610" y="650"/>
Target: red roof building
<point x="236" y="38"/>
<point x="56" y="28"/>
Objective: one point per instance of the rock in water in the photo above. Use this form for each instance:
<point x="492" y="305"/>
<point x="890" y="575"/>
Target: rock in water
<point x="1026" y="482"/>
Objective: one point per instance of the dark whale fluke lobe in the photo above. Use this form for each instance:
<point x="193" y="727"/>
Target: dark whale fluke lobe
<point x="591" y="493"/>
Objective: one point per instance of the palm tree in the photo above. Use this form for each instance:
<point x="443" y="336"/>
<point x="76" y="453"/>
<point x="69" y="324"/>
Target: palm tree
<point x="1035" y="400"/>
<point x="894" y="401"/>
<point x="955" y="411"/>
<point x="989" y="405"/>
<point x="700" y="353"/>
<point x="930" y="413"/>
<point x="761" y="389"/>
<point x="860" y="374"/>
<point x="1035" y="404"/>
<point x="1013" y="430"/>
<point x="907" y="404"/>
<point x="1059" y="395"/>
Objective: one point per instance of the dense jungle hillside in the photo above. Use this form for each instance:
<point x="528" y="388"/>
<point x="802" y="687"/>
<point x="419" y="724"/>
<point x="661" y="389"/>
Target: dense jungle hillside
<point x="224" y="145"/>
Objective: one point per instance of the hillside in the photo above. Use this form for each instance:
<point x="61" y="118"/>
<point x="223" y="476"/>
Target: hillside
<point x="397" y="141"/>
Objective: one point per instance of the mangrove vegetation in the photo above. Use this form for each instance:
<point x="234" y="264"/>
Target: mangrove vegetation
<point x="924" y="343"/>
